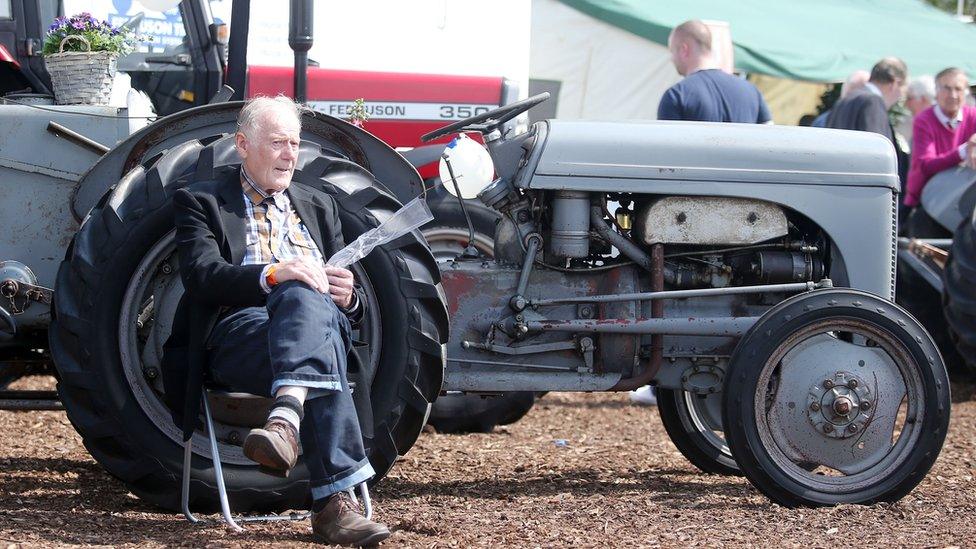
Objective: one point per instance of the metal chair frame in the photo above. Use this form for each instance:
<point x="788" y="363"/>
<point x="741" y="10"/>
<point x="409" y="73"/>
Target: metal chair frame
<point x="228" y="518"/>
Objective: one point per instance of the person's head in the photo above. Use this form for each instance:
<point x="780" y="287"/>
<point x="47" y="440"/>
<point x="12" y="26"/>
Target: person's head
<point x="920" y="94"/>
<point x="890" y="75"/>
<point x="951" y="89"/>
<point x="268" y="135"/>
<point x="691" y="46"/>
<point x="855" y="81"/>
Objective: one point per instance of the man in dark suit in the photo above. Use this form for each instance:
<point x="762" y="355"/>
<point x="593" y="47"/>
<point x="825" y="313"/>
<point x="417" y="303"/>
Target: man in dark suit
<point x="867" y="109"/>
<point x="266" y="315"/>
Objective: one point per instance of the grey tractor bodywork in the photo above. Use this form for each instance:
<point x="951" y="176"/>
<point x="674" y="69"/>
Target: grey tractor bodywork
<point x="847" y="192"/>
<point x="39" y="176"/>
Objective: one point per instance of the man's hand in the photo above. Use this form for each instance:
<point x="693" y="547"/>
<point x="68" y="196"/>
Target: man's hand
<point x="340" y="285"/>
<point x="303" y="270"/>
<point x="969" y="159"/>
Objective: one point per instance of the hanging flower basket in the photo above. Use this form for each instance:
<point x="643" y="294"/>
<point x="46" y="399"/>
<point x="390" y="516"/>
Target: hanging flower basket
<point x="81" y="77"/>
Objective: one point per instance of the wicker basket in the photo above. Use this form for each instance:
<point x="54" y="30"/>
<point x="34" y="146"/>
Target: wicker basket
<point x="81" y="77"/>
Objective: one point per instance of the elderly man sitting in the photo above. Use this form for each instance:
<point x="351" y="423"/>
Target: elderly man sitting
<point x="251" y="249"/>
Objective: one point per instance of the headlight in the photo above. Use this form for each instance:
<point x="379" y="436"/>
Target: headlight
<point x="471" y="165"/>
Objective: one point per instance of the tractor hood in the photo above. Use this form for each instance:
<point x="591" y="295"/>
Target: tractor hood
<point x="712" y="152"/>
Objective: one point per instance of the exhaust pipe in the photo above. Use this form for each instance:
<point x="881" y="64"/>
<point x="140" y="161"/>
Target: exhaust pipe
<point x="300" y="40"/>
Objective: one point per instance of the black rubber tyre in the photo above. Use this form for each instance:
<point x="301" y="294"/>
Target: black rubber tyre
<point x="704" y="447"/>
<point x="959" y="293"/>
<point x="109" y="383"/>
<point x="923" y="301"/>
<point x="477" y="414"/>
<point x="761" y="408"/>
<point x="447" y="234"/>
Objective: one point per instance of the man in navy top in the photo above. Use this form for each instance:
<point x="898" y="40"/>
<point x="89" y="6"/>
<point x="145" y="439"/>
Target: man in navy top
<point x="707" y="93"/>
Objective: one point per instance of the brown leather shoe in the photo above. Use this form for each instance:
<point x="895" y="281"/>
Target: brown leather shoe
<point x="341" y="522"/>
<point x="275" y="447"/>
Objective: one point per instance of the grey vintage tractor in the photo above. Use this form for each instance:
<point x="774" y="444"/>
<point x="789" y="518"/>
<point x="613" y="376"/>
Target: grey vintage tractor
<point x="746" y="271"/>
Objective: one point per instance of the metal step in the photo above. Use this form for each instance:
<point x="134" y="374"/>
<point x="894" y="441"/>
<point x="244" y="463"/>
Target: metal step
<point x="30" y="400"/>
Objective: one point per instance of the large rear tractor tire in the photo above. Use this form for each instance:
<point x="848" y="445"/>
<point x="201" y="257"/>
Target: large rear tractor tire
<point x="694" y="424"/>
<point x="117" y="290"/>
<point x="470" y="413"/>
<point x="959" y="293"/>
<point x="447" y="234"/>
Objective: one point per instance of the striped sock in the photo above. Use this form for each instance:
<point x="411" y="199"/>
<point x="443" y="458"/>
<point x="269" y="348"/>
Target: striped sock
<point x="288" y="408"/>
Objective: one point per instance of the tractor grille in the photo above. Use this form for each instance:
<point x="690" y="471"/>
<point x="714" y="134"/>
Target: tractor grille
<point x="894" y="242"/>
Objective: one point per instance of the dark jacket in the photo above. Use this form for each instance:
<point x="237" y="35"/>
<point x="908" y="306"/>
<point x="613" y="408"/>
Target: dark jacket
<point x="866" y="112"/>
<point x="210" y="241"/>
<point x="861" y="110"/>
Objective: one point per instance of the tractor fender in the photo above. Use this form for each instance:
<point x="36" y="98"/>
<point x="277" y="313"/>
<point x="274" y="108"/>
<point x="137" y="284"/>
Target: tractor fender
<point x="358" y="145"/>
<point x="949" y="197"/>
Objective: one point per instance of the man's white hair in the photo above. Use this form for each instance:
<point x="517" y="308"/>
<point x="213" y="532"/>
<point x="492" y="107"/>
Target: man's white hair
<point x="855" y="81"/>
<point x="923" y="86"/>
<point x="253" y="113"/>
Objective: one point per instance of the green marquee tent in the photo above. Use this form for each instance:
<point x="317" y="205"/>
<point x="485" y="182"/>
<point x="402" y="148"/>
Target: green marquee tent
<point x="813" y="40"/>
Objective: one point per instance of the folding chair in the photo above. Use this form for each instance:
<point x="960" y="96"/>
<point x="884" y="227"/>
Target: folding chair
<point x="222" y="490"/>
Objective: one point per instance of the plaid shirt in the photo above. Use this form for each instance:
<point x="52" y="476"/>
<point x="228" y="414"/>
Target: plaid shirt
<point x="275" y="233"/>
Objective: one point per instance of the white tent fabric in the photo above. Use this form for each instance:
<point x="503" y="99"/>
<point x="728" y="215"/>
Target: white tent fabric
<point x="605" y="72"/>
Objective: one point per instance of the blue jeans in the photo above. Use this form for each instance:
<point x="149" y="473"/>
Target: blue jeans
<point x="300" y="339"/>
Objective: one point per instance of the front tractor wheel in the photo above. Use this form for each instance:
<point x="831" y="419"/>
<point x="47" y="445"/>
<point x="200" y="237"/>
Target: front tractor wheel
<point x="836" y="396"/>
<point x="117" y="291"/>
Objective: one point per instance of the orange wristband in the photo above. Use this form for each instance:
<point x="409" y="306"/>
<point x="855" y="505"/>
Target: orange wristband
<point x="270" y="278"/>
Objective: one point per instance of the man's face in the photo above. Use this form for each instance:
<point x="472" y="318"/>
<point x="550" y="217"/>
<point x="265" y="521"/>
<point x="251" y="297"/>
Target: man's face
<point x="950" y="93"/>
<point x="892" y="92"/>
<point x="271" y="153"/>
<point x="917" y="103"/>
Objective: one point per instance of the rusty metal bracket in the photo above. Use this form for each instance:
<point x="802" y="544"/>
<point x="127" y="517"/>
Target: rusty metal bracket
<point x="520" y="350"/>
<point x="923" y="249"/>
<point x="21" y="294"/>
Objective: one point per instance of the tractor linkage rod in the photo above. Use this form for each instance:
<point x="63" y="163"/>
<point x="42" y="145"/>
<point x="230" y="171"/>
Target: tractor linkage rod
<point x="680" y="294"/>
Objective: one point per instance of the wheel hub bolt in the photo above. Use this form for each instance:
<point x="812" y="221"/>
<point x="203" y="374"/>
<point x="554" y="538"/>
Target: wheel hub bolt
<point x="828" y="428"/>
<point x="865" y="404"/>
<point x="852" y="384"/>
<point x="828" y="384"/>
<point x="852" y="427"/>
<point x="815" y="406"/>
<point x="842" y="406"/>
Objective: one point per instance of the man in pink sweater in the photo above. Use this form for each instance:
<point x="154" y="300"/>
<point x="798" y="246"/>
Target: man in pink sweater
<point x="942" y="135"/>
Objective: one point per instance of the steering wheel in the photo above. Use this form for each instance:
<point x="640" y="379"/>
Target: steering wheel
<point x="489" y="121"/>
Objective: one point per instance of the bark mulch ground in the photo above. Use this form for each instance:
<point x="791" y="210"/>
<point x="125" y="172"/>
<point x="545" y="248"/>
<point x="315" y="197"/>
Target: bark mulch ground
<point x="580" y="470"/>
